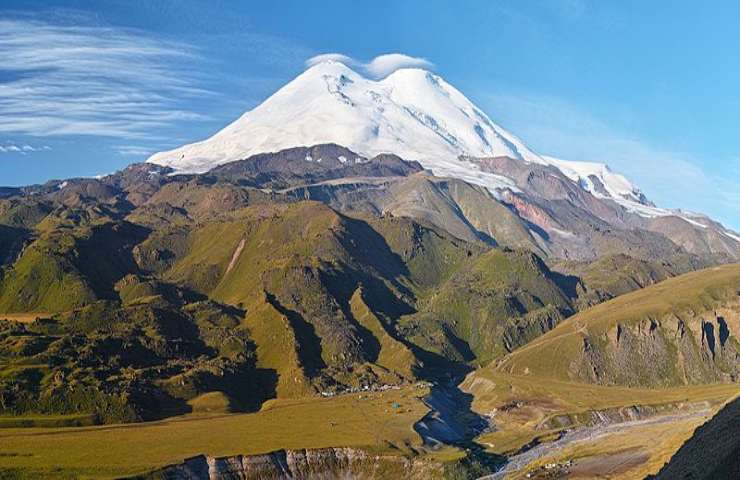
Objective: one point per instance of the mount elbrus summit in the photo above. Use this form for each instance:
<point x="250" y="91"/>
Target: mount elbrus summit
<point x="362" y="279"/>
<point x="418" y="116"/>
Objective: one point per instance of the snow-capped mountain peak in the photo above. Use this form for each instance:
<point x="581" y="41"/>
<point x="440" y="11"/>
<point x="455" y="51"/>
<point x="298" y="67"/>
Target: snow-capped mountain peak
<point x="412" y="112"/>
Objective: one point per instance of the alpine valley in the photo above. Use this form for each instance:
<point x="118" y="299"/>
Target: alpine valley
<point x="363" y="279"/>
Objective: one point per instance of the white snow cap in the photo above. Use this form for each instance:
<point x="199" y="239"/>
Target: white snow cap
<point x="411" y="112"/>
<point x="598" y="179"/>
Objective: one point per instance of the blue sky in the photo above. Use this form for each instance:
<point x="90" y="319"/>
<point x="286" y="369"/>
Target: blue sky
<point x="651" y="88"/>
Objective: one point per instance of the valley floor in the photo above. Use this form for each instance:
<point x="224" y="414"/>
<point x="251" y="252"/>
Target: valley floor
<point x="554" y="429"/>
<point x="547" y="429"/>
<point x="626" y="450"/>
<point x="381" y="421"/>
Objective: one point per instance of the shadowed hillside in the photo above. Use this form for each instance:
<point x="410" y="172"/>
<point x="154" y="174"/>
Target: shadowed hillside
<point x="145" y="294"/>
<point x="712" y="452"/>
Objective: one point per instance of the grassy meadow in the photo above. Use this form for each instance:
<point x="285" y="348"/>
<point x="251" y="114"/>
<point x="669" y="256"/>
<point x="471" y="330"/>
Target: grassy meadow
<point x="380" y="421"/>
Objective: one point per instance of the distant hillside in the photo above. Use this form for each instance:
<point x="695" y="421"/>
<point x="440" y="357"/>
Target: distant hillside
<point x="143" y="295"/>
<point x="577" y="210"/>
<point x="513" y="287"/>
<point x="146" y="293"/>
<point x="683" y="330"/>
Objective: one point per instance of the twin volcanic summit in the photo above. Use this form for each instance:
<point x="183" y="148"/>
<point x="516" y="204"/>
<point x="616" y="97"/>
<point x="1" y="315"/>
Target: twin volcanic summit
<point x="418" y="116"/>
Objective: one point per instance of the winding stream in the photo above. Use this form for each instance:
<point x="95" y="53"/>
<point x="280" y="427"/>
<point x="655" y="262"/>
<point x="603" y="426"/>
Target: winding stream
<point x="451" y="421"/>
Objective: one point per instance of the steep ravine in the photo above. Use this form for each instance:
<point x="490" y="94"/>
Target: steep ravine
<point x="452" y="422"/>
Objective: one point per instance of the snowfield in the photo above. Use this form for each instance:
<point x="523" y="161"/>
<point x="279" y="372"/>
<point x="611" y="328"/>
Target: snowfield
<point x="412" y="113"/>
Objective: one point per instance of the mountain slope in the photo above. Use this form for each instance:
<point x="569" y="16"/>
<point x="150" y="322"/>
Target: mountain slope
<point x="412" y="113"/>
<point x="420" y="117"/>
<point x="712" y="452"/>
<point x="233" y="275"/>
<point x="467" y="211"/>
<point x="599" y="180"/>
<point x="498" y="302"/>
<point x="583" y="222"/>
<point x="683" y="330"/>
<point x="350" y="288"/>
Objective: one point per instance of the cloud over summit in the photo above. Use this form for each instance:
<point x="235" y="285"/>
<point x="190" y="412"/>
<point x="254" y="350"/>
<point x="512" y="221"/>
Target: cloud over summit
<point x="379" y="67"/>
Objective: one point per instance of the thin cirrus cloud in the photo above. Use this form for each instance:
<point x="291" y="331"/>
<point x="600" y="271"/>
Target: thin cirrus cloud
<point x="23" y="149"/>
<point x="379" y="67"/>
<point x="134" y="150"/>
<point x="73" y="80"/>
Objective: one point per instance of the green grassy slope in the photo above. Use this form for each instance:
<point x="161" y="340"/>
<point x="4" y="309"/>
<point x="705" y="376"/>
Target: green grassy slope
<point x="309" y="262"/>
<point x="285" y="298"/>
<point x="69" y="266"/>
<point x="499" y="301"/>
<point x="24" y="213"/>
<point x="195" y="292"/>
<point x="682" y="330"/>
<point x="613" y="275"/>
<point x="45" y="278"/>
<point x="367" y="420"/>
<point x="138" y="359"/>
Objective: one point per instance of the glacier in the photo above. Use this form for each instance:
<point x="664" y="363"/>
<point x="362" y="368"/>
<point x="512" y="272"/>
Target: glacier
<point x="412" y="113"/>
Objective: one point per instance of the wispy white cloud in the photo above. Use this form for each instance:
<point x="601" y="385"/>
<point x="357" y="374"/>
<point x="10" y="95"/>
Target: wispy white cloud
<point x="379" y="67"/>
<point x="134" y="150"/>
<point x="73" y="80"/>
<point x="23" y="149"/>
<point x="384" y="65"/>
<point x="670" y="177"/>
<point x="332" y="57"/>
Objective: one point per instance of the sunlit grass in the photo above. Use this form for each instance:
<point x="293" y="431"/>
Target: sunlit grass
<point x="379" y="421"/>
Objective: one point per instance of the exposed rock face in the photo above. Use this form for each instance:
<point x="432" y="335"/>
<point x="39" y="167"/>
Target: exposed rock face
<point x="320" y="464"/>
<point x="682" y="331"/>
<point x="618" y="415"/>
<point x="687" y="348"/>
<point x="707" y="241"/>
<point x="575" y="230"/>
<point x="467" y="211"/>
<point x="582" y="224"/>
<point x="305" y="165"/>
<point x="549" y="183"/>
